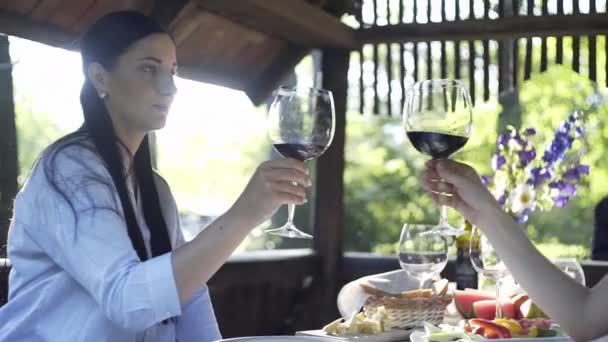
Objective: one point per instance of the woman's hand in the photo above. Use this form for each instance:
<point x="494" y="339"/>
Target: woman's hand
<point x="469" y="196"/>
<point x="270" y="187"/>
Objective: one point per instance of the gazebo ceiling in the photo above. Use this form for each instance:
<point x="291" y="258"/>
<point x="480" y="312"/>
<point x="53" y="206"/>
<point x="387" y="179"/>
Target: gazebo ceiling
<point x="242" y="44"/>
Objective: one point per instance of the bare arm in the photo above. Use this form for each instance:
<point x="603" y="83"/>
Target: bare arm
<point x="195" y="262"/>
<point x="579" y="310"/>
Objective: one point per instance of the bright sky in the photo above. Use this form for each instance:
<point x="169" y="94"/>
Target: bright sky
<point x="52" y="78"/>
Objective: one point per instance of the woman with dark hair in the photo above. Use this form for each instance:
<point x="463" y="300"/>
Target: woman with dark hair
<point x="581" y="311"/>
<point x="95" y="242"/>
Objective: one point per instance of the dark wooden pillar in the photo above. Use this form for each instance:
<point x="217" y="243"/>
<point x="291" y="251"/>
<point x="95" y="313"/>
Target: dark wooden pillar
<point x="508" y="95"/>
<point x="328" y="213"/>
<point x="8" y="142"/>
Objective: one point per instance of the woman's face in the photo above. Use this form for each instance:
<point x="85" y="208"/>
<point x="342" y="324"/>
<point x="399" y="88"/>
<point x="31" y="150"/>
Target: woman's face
<point x="140" y="88"/>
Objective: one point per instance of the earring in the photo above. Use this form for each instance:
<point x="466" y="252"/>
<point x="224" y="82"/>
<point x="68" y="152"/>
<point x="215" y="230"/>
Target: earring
<point x="103" y="95"/>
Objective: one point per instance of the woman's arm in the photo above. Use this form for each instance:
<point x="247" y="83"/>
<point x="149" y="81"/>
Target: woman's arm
<point x="580" y="311"/>
<point x="269" y="188"/>
<point x="88" y="239"/>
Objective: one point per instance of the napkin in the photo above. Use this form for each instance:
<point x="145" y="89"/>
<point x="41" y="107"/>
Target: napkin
<point x="352" y="297"/>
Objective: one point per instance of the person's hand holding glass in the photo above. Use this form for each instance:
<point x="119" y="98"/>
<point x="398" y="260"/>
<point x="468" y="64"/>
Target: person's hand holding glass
<point x="301" y="125"/>
<point x="437" y="116"/>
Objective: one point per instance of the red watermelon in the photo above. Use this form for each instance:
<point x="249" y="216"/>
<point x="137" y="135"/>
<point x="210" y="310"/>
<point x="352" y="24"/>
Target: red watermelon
<point x="464" y="301"/>
<point x="486" y="309"/>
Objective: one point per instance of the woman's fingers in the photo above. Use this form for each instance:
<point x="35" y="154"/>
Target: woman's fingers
<point x="287" y="175"/>
<point x="289" y="188"/>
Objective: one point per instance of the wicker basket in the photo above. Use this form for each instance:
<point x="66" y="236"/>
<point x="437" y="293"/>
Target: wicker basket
<point x="408" y="313"/>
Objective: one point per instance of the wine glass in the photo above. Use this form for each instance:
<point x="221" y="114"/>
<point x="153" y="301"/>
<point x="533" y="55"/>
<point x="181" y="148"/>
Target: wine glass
<point x="301" y="124"/>
<point x="437" y="116"/>
<point x="423" y="252"/>
<point x="487" y="262"/>
<point x="572" y="268"/>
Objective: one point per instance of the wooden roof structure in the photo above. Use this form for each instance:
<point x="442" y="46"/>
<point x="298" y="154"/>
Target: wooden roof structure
<point x="251" y="45"/>
<point x="243" y="44"/>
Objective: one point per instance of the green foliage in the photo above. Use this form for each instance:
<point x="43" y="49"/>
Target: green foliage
<point x="382" y="189"/>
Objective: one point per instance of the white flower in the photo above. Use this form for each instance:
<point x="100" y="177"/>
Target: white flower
<point x="501" y="179"/>
<point x="522" y="197"/>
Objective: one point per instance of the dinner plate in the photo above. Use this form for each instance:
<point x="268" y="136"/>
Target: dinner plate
<point x="387" y="336"/>
<point x="276" y="339"/>
<point x="420" y="336"/>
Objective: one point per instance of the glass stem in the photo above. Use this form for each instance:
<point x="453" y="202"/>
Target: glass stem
<point x="498" y="281"/>
<point x="291" y="209"/>
<point x="443" y="220"/>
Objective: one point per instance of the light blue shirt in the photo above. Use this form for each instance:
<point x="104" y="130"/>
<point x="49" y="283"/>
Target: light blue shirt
<point x="81" y="280"/>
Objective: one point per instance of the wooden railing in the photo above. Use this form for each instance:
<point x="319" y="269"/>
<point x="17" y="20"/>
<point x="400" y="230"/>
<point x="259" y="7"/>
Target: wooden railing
<point x="491" y="49"/>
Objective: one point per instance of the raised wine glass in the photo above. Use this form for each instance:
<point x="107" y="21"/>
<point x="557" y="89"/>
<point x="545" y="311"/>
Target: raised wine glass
<point x="301" y="124"/>
<point x="437" y="117"/>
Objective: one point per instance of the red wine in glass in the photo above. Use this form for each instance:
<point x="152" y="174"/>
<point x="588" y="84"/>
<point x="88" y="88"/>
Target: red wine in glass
<point x="436" y="145"/>
<point x="301" y="125"/>
<point x="437" y="116"/>
<point x="299" y="151"/>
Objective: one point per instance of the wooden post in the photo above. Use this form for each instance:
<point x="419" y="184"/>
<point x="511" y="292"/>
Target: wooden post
<point x="508" y="96"/>
<point x="8" y="142"/>
<point x="328" y="213"/>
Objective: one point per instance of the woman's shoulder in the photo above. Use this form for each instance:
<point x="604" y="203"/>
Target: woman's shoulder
<point x="67" y="160"/>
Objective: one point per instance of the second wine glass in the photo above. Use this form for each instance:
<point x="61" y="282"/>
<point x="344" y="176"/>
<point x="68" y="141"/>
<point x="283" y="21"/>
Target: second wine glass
<point x="437" y="117"/>
<point x="301" y="125"/>
<point x="486" y="261"/>
<point x="423" y="252"/>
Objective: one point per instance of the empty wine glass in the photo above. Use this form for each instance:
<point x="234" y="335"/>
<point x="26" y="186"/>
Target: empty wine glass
<point x="423" y="252"/>
<point x="301" y="124"/>
<point x="437" y="116"/>
<point x="572" y="268"/>
<point x="486" y="261"/>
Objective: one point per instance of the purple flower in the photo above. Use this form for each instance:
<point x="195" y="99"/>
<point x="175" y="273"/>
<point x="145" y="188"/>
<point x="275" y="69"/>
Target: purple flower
<point x="573" y="117"/>
<point x="498" y="161"/>
<point x="503" y="139"/>
<point x="579" y="131"/>
<point x="583" y="169"/>
<point x="539" y="176"/>
<point x="523" y="218"/>
<point x="486" y="180"/>
<point x="525" y="157"/>
<point x="575" y="173"/>
<point x="564" y="127"/>
<point x="530" y="132"/>
<point x="503" y="199"/>
<point x="561" y="201"/>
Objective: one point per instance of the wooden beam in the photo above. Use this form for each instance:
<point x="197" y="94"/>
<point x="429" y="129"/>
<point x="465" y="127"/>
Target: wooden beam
<point x="296" y="21"/>
<point x="260" y="88"/>
<point x="165" y="11"/>
<point x="328" y="212"/>
<point x="480" y="29"/>
<point x="17" y="24"/>
<point x="9" y="167"/>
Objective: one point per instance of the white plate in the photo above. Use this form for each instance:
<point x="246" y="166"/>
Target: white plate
<point x="419" y="336"/>
<point x="387" y="336"/>
<point x="276" y="339"/>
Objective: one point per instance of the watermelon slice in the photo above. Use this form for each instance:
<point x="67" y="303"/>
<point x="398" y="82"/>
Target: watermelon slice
<point x="464" y="301"/>
<point x="486" y="309"/>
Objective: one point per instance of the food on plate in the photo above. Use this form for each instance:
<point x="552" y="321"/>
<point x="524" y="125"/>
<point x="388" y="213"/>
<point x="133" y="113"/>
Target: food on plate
<point x="358" y="323"/>
<point x="478" y="329"/>
<point x="464" y="301"/>
<point x="487" y="309"/>
<point x="530" y="310"/>
<point x="476" y="304"/>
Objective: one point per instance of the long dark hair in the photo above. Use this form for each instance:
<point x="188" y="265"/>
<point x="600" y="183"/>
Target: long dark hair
<point x="103" y="43"/>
